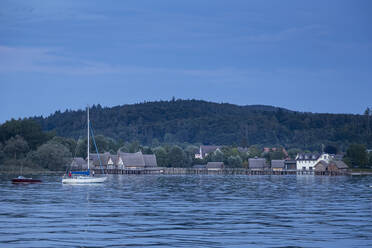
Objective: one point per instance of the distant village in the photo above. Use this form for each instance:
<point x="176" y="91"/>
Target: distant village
<point x="139" y="163"/>
<point x="304" y="163"/>
<point x="24" y="146"/>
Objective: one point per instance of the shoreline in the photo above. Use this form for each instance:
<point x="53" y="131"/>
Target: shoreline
<point x="191" y="171"/>
<point x="32" y="173"/>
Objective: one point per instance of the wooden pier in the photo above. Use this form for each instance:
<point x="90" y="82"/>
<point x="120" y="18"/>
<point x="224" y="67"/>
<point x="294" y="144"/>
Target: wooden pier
<point x="225" y="171"/>
<point x="360" y="173"/>
<point x="193" y="171"/>
<point x="157" y="170"/>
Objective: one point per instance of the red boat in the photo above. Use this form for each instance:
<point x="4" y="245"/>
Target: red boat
<point x="22" y="179"/>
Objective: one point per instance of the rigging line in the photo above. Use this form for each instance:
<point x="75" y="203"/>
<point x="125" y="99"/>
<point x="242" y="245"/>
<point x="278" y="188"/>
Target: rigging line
<point x="76" y="147"/>
<point x="95" y="145"/>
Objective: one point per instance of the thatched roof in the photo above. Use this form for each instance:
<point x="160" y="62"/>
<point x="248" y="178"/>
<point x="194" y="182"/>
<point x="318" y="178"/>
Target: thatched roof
<point x="132" y="159"/>
<point x="340" y="164"/>
<point x="78" y="163"/>
<point x="277" y="164"/>
<point x="150" y="160"/>
<point x="95" y="158"/>
<point x="321" y="165"/>
<point x="214" y="165"/>
<point x="199" y="166"/>
<point x="257" y="163"/>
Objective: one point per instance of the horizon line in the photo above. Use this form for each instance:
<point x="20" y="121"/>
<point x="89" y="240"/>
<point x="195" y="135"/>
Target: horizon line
<point x="173" y="99"/>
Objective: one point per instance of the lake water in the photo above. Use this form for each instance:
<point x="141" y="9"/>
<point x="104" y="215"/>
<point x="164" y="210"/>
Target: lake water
<point x="189" y="211"/>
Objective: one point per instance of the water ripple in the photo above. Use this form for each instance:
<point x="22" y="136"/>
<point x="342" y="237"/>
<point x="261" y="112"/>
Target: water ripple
<point x="189" y="211"/>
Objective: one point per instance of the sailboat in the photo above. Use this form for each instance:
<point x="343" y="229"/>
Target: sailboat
<point x="81" y="177"/>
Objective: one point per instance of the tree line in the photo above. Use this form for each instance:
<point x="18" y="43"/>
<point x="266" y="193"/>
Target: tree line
<point x="200" y="122"/>
<point x="23" y="144"/>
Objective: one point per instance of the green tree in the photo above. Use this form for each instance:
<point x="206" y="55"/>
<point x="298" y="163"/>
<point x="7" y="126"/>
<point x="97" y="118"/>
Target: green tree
<point x="191" y="150"/>
<point x="331" y="149"/>
<point x="368" y="113"/>
<point x="169" y="138"/>
<point x="292" y="153"/>
<point x="124" y="147"/>
<point x="357" y="155"/>
<point x="27" y="128"/>
<point x="161" y="156"/>
<point x="2" y="154"/>
<point x="278" y="154"/>
<point x="234" y="161"/>
<point x="155" y="142"/>
<point x="134" y="146"/>
<point x="370" y="159"/>
<point x="52" y="156"/>
<point x="217" y="156"/>
<point x="176" y="157"/>
<point x="68" y="142"/>
<point x="254" y="151"/>
<point x="81" y="149"/>
<point x="102" y="143"/>
<point x="16" y="147"/>
<point x="147" y="150"/>
<point x="234" y="151"/>
<point x="194" y="121"/>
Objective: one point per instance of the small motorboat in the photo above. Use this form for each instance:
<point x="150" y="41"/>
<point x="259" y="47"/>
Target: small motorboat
<point x="22" y="179"/>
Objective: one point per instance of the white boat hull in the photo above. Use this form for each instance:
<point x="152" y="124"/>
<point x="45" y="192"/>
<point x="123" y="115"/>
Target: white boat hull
<point x="82" y="180"/>
<point x="87" y="178"/>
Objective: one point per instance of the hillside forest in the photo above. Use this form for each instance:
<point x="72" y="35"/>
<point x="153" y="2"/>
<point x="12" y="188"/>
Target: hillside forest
<point x="173" y="130"/>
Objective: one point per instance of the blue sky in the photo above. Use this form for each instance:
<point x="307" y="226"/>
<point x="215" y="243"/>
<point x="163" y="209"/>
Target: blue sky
<point x="302" y="55"/>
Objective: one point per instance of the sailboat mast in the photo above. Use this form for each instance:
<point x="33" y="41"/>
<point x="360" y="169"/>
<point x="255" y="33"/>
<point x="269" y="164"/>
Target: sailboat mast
<point x="88" y="135"/>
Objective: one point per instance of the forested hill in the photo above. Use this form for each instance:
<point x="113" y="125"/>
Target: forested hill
<point x="195" y="121"/>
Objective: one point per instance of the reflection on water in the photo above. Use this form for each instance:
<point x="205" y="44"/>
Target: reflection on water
<point x="189" y="211"/>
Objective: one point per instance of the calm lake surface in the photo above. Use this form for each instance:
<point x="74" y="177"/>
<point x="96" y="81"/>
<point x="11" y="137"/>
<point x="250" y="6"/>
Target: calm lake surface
<point x="189" y="211"/>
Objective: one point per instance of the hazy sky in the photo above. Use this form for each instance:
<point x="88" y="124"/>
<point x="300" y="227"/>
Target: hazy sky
<point x="302" y="55"/>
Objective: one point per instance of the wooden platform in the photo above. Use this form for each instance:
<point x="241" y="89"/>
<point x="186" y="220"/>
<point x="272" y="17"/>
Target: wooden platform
<point x="226" y="171"/>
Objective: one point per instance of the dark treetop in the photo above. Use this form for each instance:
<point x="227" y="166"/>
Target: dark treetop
<point x="195" y="121"/>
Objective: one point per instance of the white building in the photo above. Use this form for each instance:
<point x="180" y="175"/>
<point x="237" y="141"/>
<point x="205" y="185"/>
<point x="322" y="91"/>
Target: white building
<point x="205" y="150"/>
<point x="307" y="161"/>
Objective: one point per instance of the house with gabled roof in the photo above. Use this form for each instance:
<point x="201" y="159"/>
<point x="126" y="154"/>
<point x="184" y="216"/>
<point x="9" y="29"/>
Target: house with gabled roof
<point x="95" y="160"/>
<point x="339" y="156"/>
<point x="78" y="164"/>
<point x="215" y="166"/>
<point x="331" y="167"/>
<point x="199" y="166"/>
<point x="321" y="167"/>
<point x="337" y="166"/>
<point x="150" y="160"/>
<point x="307" y="161"/>
<point x="257" y="163"/>
<point x="277" y="165"/>
<point x="113" y="162"/>
<point x="132" y="160"/>
<point x="136" y="161"/>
